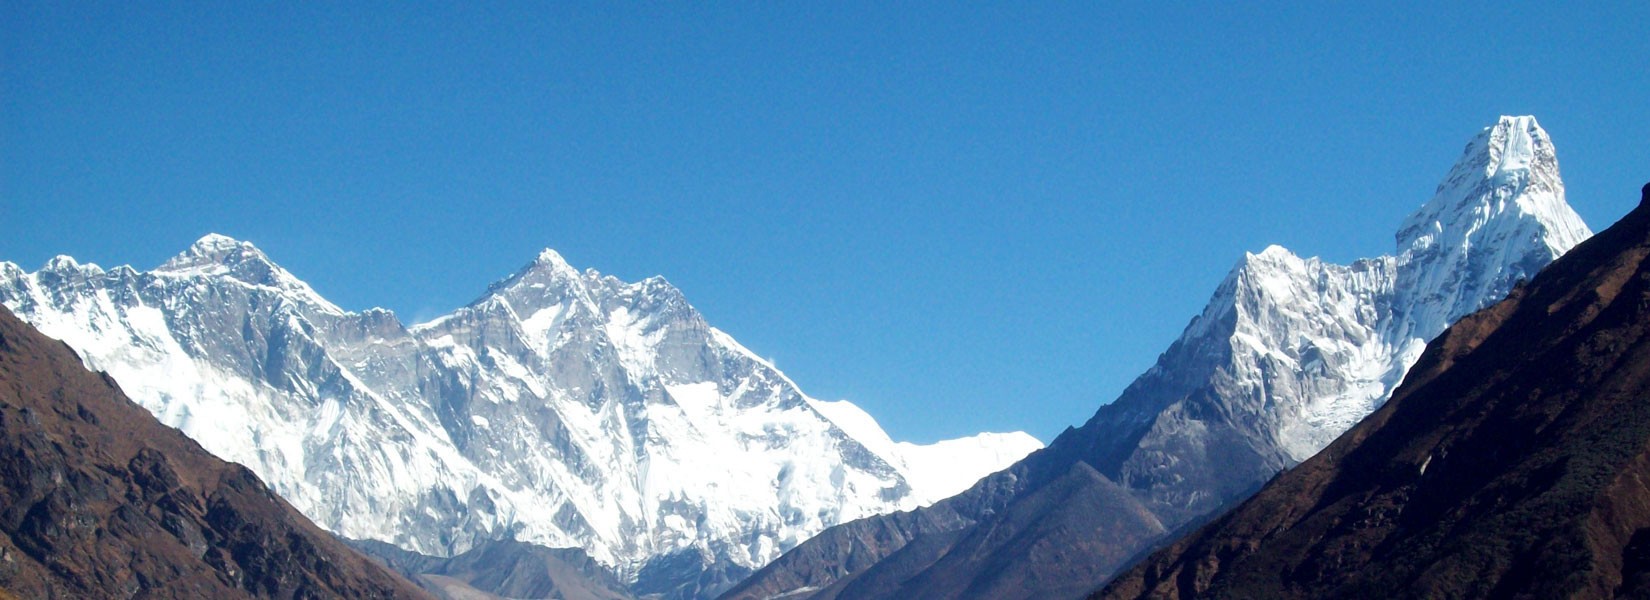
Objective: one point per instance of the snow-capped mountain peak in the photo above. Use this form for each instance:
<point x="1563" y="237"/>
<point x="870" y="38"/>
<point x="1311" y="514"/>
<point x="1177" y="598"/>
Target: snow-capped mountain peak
<point x="562" y="408"/>
<point x="545" y="281"/>
<point x="552" y="258"/>
<point x="64" y="264"/>
<point x="214" y="250"/>
<point x="1502" y="205"/>
<point x="1497" y="218"/>
<point x="1271" y="252"/>
<point x="550" y="263"/>
<point x="216" y="256"/>
<point x="1315" y="346"/>
<point x="1287" y="355"/>
<point x="1509" y="168"/>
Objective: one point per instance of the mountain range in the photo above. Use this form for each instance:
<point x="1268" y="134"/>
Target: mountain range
<point x="1289" y="353"/>
<point x="100" y="500"/>
<point x="562" y="408"/>
<point x="569" y="434"/>
<point x="1513" y="462"/>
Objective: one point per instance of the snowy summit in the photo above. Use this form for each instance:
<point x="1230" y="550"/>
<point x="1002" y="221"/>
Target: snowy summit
<point x="564" y="408"/>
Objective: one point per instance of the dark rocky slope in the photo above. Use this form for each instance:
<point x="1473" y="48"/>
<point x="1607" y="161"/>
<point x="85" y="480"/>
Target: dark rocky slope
<point x="1513" y="462"/>
<point x="99" y="500"/>
<point x="1074" y="522"/>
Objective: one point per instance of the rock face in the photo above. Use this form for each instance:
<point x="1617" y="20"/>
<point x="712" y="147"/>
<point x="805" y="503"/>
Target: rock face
<point x="1513" y="461"/>
<point x="562" y="408"/>
<point x="99" y="500"/>
<point x="1289" y="353"/>
<point x="505" y="569"/>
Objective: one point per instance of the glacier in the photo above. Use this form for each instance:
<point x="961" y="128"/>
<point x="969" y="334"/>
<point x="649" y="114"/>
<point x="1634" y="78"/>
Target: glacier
<point x="562" y="407"/>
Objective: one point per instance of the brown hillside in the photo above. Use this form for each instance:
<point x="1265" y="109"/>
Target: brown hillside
<point x="99" y="500"/>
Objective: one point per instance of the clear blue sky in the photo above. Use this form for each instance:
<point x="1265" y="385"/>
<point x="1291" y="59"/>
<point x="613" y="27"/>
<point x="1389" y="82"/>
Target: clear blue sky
<point x="960" y="216"/>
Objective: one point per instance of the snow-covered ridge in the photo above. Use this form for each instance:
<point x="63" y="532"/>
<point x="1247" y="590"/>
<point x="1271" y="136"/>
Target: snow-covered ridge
<point x="936" y="471"/>
<point x="561" y="407"/>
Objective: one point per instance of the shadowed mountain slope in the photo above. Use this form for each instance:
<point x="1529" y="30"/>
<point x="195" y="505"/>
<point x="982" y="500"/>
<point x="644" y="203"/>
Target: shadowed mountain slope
<point x="1514" y="461"/>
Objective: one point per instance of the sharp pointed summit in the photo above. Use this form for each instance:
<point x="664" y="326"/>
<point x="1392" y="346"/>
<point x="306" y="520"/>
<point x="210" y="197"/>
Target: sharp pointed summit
<point x="551" y="258"/>
<point x="1288" y="353"/>
<point x="547" y="279"/>
<point x="1510" y="168"/>
<point x="1511" y="463"/>
<point x="1503" y="193"/>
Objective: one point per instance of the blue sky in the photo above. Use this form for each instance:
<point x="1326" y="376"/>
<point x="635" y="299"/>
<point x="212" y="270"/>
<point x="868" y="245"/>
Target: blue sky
<point x="960" y="216"/>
